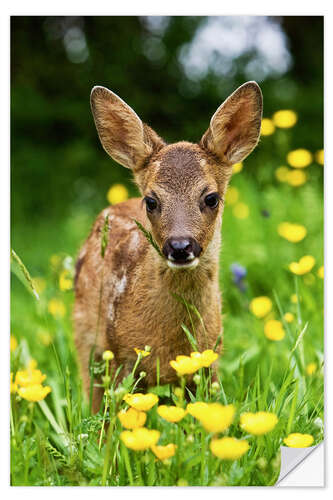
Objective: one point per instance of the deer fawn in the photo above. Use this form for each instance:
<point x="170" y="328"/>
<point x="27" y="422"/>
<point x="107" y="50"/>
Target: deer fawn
<point x="126" y="299"/>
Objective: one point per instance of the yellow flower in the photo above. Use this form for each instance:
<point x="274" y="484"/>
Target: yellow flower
<point x="184" y="365"/>
<point x="141" y="402"/>
<point x="296" y="178"/>
<point x="132" y="418"/>
<point x="65" y="280"/>
<point x="320" y="272"/>
<point x="294" y="298"/>
<point x="196" y="409"/>
<point x="13" y="385"/>
<point x="289" y="317"/>
<point x="320" y="157"/>
<point x="232" y="195"/>
<point x="303" y="266"/>
<point x="229" y="448"/>
<point x="140" y="439"/>
<point x="171" y="413"/>
<point x="267" y="127"/>
<point x="299" y="158"/>
<point x="215" y="417"/>
<point x="273" y="330"/>
<point x="258" y="423"/>
<point x="205" y="358"/>
<point x="13" y="343"/>
<point x="164" y="452"/>
<point x="57" y="308"/>
<point x="286" y="118"/>
<point x="281" y="173"/>
<point x="241" y="210"/>
<point x="237" y="167"/>
<point x="116" y="194"/>
<point x="292" y="232"/>
<point x="30" y="376"/>
<point x="143" y="353"/>
<point x="108" y="355"/>
<point x="311" y="368"/>
<point x="297" y="440"/>
<point x="260" y="306"/>
<point x="34" y="393"/>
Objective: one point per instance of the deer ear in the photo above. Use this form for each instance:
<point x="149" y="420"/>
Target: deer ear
<point x="122" y="134"/>
<point x="234" y="129"/>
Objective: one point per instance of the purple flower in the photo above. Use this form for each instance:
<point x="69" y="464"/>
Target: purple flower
<point x="238" y="274"/>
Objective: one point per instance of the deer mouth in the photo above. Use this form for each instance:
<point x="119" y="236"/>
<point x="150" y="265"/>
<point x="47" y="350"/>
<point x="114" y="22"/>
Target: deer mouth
<point x="186" y="264"/>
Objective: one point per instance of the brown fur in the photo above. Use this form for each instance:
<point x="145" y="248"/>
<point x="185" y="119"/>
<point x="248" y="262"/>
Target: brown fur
<point x="126" y="299"/>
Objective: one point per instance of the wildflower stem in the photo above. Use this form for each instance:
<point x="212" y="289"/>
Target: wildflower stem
<point x="107" y="451"/>
<point x="127" y="464"/>
<point x="203" y="454"/>
<point x="138" y="469"/>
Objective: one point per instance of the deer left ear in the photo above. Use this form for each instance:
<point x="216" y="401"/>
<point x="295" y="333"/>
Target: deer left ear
<point x="234" y="129"/>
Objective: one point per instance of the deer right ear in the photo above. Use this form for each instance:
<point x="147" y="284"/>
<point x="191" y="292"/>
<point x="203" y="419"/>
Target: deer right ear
<point x="122" y="134"/>
<point x="234" y="129"/>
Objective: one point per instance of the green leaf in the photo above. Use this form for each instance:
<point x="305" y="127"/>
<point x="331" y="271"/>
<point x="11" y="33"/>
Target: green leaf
<point x="149" y="237"/>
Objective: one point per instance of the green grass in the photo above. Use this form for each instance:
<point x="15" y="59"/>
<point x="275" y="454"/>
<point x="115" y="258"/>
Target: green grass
<point x="58" y="441"/>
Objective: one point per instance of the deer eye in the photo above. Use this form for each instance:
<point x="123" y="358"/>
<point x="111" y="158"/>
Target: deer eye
<point x="212" y="200"/>
<point x="151" y="204"/>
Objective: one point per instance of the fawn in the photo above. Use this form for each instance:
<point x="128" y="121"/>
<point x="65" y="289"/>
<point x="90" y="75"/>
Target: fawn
<point x="126" y="298"/>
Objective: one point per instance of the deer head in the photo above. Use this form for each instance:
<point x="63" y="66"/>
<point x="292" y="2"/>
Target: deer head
<point x="183" y="184"/>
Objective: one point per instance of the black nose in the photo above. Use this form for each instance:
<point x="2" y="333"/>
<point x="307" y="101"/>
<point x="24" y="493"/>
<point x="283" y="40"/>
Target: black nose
<point x="181" y="249"/>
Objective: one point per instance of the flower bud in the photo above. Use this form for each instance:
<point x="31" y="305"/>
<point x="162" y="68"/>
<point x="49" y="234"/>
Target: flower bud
<point x="147" y="348"/>
<point x="262" y="463"/>
<point x="106" y="380"/>
<point x="196" y="379"/>
<point x="108" y="355"/>
<point x="142" y="374"/>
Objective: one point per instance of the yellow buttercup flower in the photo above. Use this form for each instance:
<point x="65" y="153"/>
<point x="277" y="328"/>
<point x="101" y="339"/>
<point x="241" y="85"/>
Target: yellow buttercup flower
<point x="299" y="158"/>
<point x="171" y="413"/>
<point x="164" y="452"/>
<point x="229" y="448"/>
<point x="273" y="330"/>
<point x="296" y="178"/>
<point x="108" y="355"/>
<point x="65" y="280"/>
<point x="132" y="418"/>
<point x="294" y="298"/>
<point x="143" y="352"/>
<point x="141" y="402"/>
<point x="320" y="157"/>
<point x="289" y="317"/>
<point x="292" y="232"/>
<point x="260" y="306"/>
<point x="30" y="376"/>
<point x="258" y="423"/>
<point x="285" y="118"/>
<point x="303" y="266"/>
<point x="215" y="417"/>
<point x="205" y="358"/>
<point x="311" y="368"/>
<point x="232" y="195"/>
<point x="34" y="393"/>
<point x="117" y="193"/>
<point x="184" y="365"/>
<point x="57" y="308"/>
<point x="298" y="440"/>
<point x="196" y="409"/>
<point x="237" y="167"/>
<point x="45" y="337"/>
<point x="281" y="173"/>
<point x="13" y="343"/>
<point x="140" y="439"/>
<point x="241" y="210"/>
<point x="267" y="127"/>
<point x="320" y="272"/>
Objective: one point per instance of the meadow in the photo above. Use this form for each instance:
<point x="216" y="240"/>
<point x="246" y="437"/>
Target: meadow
<point x="270" y="386"/>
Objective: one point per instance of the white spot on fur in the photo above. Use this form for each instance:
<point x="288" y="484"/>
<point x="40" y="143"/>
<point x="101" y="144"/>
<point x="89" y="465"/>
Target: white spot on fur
<point x="134" y="241"/>
<point x="202" y="162"/>
<point x="117" y="288"/>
